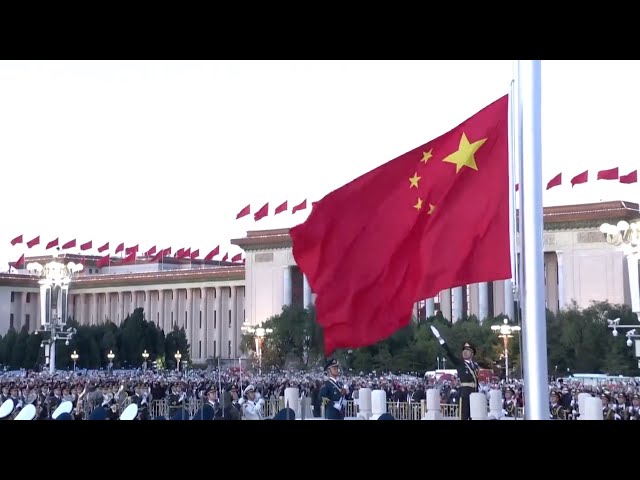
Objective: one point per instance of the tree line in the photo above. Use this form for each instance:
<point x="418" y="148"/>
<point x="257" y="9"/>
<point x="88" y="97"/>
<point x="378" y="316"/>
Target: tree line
<point x="578" y="341"/>
<point x="92" y="343"/>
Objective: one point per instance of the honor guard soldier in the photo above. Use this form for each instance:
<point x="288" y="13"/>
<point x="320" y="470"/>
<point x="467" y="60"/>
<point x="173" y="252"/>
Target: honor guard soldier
<point x="332" y="393"/>
<point x="556" y="412"/>
<point x="621" y="409"/>
<point x="467" y="373"/>
<point x="608" y="413"/>
<point x="509" y="406"/>
<point x="634" y="410"/>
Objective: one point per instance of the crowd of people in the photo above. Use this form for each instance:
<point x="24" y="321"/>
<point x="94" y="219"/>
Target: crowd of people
<point x="234" y="394"/>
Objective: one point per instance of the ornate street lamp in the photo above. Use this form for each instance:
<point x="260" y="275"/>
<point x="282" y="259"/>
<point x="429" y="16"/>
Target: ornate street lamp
<point x="145" y="356"/>
<point x="505" y="331"/>
<point x="74" y="357"/>
<point x="258" y="333"/>
<point x="178" y="356"/>
<point x="111" y="356"/>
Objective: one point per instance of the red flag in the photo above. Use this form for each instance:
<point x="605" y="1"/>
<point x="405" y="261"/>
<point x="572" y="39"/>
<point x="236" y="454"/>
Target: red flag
<point x="580" y="178"/>
<point x="161" y="254"/>
<point x="69" y="244"/>
<point x="213" y="253"/>
<point x="555" y="181"/>
<point x="179" y="253"/>
<point x="104" y="247"/>
<point x="611" y="174"/>
<point x="237" y="257"/>
<point x="130" y="258"/>
<point x="87" y="246"/>
<point x="629" y="177"/>
<point x="226" y="257"/>
<point x="130" y="250"/>
<point x="166" y="251"/>
<point x="150" y="252"/>
<point x="375" y="246"/>
<point x="281" y="208"/>
<point x="52" y="243"/>
<point x="195" y="254"/>
<point x="120" y="248"/>
<point x="313" y="204"/>
<point x="104" y="261"/>
<point x="263" y="212"/>
<point x="34" y="242"/>
<point x="301" y="206"/>
<point x="186" y="253"/>
<point x="244" y="212"/>
<point x="16" y="240"/>
<point x="18" y="263"/>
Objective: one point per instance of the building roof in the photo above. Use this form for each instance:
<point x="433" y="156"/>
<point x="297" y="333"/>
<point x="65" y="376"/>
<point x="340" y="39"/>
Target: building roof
<point x="216" y="274"/>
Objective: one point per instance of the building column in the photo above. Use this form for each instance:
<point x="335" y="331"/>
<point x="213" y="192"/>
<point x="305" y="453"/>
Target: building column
<point x="147" y="305"/>
<point x="220" y="291"/>
<point x="483" y="301"/>
<point x="456" y="304"/>
<point x="174" y="310"/>
<point x="287" y="290"/>
<point x="188" y="320"/>
<point x="94" y="309"/>
<point x="119" y="308"/>
<point x="204" y="333"/>
<point x="508" y="299"/>
<point x="429" y="307"/>
<point x="560" y="259"/>
<point x="306" y="290"/>
<point x="70" y="308"/>
<point x="634" y="282"/>
<point x="162" y="299"/>
<point x="234" y="320"/>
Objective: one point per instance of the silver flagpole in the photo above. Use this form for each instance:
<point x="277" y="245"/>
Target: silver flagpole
<point x="534" y="332"/>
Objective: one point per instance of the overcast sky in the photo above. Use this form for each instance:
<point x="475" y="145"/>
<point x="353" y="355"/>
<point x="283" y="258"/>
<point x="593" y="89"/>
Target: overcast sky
<point x="167" y="153"/>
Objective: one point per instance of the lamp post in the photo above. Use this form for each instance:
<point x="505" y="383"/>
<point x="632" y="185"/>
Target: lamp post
<point x="632" y="337"/>
<point x="55" y="278"/>
<point x="145" y="356"/>
<point x="628" y="236"/>
<point x="111" y="356"/>
<point x="505" y="332"/>
<point x="177" y="356"/>
<point x="74" y="357"/>
<point x="258" y="333"/>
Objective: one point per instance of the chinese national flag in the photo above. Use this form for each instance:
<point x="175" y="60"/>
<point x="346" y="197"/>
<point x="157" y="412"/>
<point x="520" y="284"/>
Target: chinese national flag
<point x="120" y="248"/>
<point x="213" y="253"/>
<point x="629" y="177"/>
<point x="130" y="258"/>
<point x="87" y="246"/>
<point x="103" y="261"/>
<point x="263" y="212"/>
<point x="555" y="181"/>
<point x="580" y="178"/>
<point x="611" y="174"/>
<point x="16" y="240"/>
<point x="195" y="254"/>
<point x="225" y="258"/>
<point x="281" y="208"/>
<point x="434" y="218"/>
<point x="18" y="263"/>
<point x="69" y="244"/>
<point x="104" y="247"/>
<point x="237" y="257"/>
<point x="34" y="242"/>
<point x="301" y="206"/>
<point x="244" y="212"/>
<point x="52" y="243"/>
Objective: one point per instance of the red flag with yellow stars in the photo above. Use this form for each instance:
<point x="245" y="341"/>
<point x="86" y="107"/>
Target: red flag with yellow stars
<point x="434" y="218"/>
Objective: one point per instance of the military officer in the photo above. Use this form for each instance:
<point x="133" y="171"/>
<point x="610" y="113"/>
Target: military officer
<point x="332" y="393"/>
<point x="608" y="413"/>
<point x="467" y="373"/>
<point x="556" y="412"/>
<point x="509" y="405"/>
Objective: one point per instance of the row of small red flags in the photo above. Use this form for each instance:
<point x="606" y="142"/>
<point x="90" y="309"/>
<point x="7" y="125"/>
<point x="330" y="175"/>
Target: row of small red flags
<point x="130" y="252"/>
<point x="610" y="174"/>
<point x="264" y="210"/>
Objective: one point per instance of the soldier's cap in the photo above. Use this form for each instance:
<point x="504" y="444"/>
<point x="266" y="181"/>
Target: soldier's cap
<point x="636" y="396"/>
<point x="331" y="362"/>
<point x="554" y="393"/>
<point x="605" y="395"/>
<point x="210" y="390"/>
<point x="621" y="394"/>
<point x="250" y="388"/>
<point x="469" y="346"/>
<point x="509" y="389"/>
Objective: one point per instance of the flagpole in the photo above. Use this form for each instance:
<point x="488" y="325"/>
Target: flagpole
<point x="534" y="331"/>
<point x="510" y="285"/>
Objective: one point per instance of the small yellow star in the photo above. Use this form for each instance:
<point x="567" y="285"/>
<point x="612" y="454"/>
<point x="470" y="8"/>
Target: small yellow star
<point x="418" y="206"/>
<point x="413" y="181"/>
<point x="426" y="156"/>
<point x="464" y="156"/>
<point x="432" y="208"/>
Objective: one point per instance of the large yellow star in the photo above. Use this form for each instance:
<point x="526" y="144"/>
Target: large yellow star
<point x="418" y="206"/>
<point x="464" y="156"/>
<point x="426" y="156"/>
<point x="413" y="181"/>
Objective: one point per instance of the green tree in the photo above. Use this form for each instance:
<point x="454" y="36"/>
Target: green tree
<point x="174" y="342"/>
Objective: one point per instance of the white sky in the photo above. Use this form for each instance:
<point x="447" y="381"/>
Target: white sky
<point x="167" y="153"/>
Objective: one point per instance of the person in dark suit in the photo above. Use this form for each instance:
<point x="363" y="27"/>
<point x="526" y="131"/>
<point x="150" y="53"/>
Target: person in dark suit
<point x="467" y="373"/>
<point x="332" y="393"/>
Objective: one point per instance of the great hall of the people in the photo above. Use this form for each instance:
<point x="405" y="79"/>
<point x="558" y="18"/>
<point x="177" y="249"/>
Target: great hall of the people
<point x="212" y="300"/>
